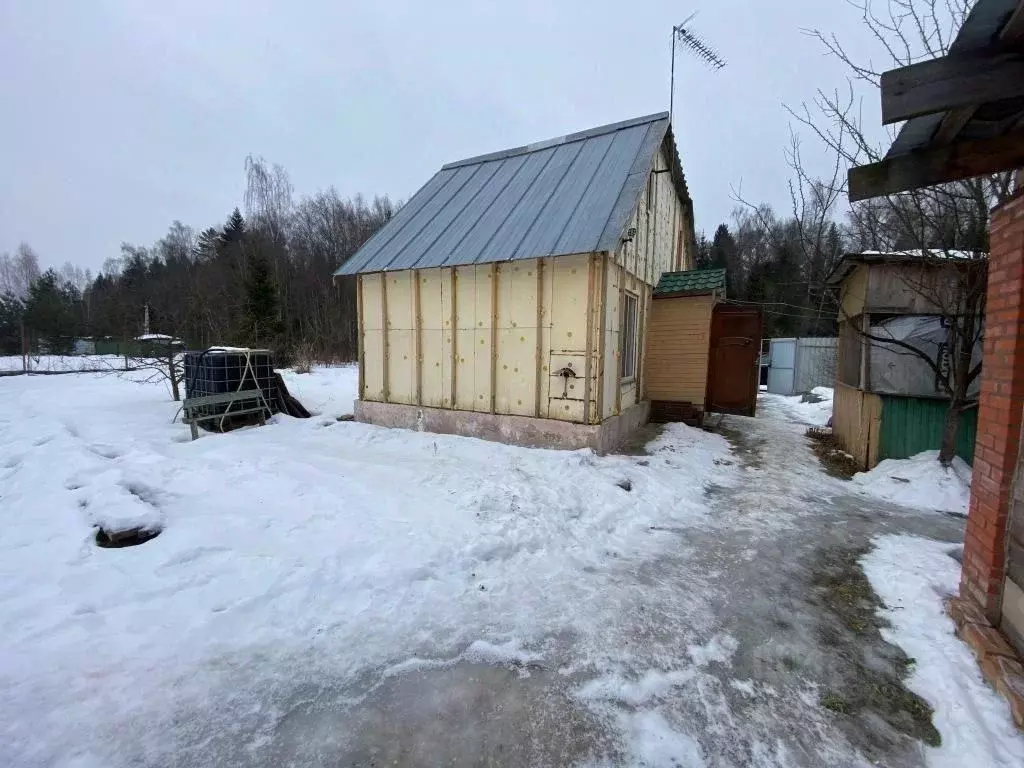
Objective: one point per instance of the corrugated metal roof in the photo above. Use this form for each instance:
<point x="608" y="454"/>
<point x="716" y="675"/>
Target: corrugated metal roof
<point x="573" y="194"/>
<point x="691" y="281"/>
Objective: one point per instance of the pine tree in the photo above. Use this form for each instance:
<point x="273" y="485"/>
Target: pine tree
<point x="725" y="255"/>
<point x="261" y="304"/>
<point x="49" y="312"/>
<point x="11" y="311"/>
<point x="234" y="230"/>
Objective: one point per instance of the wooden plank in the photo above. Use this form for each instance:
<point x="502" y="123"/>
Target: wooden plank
<point x="539" y="364"/>
<point x="362" y="338"/>
<point x="417" y="337"/>
<point x="384" y="326"/>
<point x="455" y="336"/>
<point x="601" y="340"/>
<point x="937" y="166"/>
<point x="952" y="123"/>
<point x="588" y="364"/>
<point x="951" y="82"/>
<point x="495" y="276"/>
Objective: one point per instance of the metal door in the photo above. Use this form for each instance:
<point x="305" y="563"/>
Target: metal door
<point x="734" y="357"/>
<point x="782" y="366"/>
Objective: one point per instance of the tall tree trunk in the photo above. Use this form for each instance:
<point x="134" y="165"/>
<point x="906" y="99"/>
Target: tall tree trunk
<point x="950" y="428"/>
<point x="172" y="373"/>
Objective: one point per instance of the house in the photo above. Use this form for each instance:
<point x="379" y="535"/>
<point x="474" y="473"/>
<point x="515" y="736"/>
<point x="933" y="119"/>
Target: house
<point x="510" y="297"/>
<point x="888" y="402"/>
<point x="701" y="353"/>
<point x="965" y="117"/>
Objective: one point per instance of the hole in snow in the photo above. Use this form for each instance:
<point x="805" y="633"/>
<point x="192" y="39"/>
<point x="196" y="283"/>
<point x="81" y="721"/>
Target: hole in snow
<point x="626" y="484"/>
<point x="130" y="537"/>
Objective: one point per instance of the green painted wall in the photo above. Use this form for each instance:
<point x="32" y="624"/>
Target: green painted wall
<point x="914" y="424"/>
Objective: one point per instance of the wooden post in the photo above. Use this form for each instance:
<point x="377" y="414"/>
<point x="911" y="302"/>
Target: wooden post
<point x="455" y="333"/>
<point x="417" y="336"/>
<point x="361" y="341"/>
<point x="494" y="335"/>
<point x="384" y="326"/>
<point x="540" y="336"/>
<point x="588" y="367"/>
<point x="602" y="318"/>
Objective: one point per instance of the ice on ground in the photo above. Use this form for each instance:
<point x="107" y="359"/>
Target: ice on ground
<point x="920" y="481"/>
<point x="305" y="552"/>
<point x="913" y="576"/>
<point x="815" y="414"/>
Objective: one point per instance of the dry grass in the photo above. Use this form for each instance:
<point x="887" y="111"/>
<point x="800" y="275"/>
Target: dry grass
<point x="303" y="358"/>
<point x="834" y="459"/>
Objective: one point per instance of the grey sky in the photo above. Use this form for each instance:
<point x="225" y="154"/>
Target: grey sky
<point x="122" y="115"/>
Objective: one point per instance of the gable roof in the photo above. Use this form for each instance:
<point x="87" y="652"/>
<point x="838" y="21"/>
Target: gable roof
<point x="692" y="281"/>
<point x="933" y="256"/>
<point x="573" y="194"/>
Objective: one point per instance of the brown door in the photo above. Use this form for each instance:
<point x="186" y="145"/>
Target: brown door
<point x="734" y="358"/>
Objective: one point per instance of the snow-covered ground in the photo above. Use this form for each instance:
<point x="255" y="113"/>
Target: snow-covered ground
<point x="920" y="481"/>
<point x="62" y="363"/>
<point x="815" y="410"/>
<point x="303" y="548"/>
<point x="319" y="582"/>
<point x="912" y="576"/>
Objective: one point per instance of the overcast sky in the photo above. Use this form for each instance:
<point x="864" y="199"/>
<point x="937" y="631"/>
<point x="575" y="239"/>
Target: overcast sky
<point x="123" y="115"/>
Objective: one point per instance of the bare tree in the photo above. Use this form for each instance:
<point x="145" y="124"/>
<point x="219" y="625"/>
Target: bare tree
<point x="948" y="222"/>
<point x="18" y="272"/>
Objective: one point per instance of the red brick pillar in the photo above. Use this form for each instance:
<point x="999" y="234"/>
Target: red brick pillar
<point x="999" y="413"/>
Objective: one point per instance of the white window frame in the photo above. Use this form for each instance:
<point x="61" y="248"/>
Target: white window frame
<point x="629" y="334"/>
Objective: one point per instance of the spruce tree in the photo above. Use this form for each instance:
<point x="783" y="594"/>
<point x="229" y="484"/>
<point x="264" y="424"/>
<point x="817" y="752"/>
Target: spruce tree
<point x="261" y="304"/>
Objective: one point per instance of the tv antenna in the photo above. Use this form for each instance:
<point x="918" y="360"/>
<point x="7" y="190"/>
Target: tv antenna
<point x="685" y="35"/>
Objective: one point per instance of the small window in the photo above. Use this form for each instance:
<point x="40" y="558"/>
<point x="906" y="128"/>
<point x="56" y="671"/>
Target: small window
<point x="628" y="341"/>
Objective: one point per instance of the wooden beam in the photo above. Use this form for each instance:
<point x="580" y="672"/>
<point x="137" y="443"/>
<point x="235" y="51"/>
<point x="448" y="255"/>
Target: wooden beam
<point x="952" y="123"/>
<point x="937" y="166"/>
<point x="951" y="82"/>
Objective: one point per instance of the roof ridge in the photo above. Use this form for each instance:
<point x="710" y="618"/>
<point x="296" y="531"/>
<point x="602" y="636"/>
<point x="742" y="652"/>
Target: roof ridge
<point x="558" y="140"/>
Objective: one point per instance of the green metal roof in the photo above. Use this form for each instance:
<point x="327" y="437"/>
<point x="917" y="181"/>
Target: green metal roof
<point x="691" y="281"/>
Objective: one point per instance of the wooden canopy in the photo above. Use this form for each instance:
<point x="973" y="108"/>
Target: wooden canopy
<point x="964" y="111"/>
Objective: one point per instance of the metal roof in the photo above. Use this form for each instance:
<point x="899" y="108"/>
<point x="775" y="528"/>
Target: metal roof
<point x="572" y="194"/>
<point x="690" y="281"/>
<point x="981" y="28"/>
<point x="933" y="256"/>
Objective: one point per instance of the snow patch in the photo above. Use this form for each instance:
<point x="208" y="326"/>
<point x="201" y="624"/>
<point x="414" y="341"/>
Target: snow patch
<point x="815" y="414"/>
<point x="920" y="481"/>
<point x="913" y="576"/>
<point x="656" y="743"/>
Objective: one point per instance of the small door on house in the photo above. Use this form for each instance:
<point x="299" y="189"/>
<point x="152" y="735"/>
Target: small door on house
<point x="733" y="360"/>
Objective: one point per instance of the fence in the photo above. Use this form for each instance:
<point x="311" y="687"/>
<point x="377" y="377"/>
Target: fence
<point x="800" y="365"/>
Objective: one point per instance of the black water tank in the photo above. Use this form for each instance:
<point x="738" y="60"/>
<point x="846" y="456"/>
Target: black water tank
<point x="219" y="370"/>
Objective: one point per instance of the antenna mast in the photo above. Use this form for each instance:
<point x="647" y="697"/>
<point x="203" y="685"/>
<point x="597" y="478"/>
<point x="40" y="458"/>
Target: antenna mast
<point x="685" y="34"/>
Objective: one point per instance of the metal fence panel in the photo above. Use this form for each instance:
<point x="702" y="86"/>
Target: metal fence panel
<point x="815" y="364"/>
<point x="914" y="424"/>
<point x="781" y="366"/>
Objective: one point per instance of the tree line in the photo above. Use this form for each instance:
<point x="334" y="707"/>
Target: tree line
<point x="262" y="279"/>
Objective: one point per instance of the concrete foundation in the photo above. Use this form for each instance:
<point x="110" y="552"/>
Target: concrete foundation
<point x="503" y="428"/>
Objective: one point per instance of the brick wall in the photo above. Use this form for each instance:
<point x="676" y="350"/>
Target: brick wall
<point x="999" y="414"/>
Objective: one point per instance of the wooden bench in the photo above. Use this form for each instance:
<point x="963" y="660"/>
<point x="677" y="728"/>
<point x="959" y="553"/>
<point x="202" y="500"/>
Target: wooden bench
<point x="192" y="404"/>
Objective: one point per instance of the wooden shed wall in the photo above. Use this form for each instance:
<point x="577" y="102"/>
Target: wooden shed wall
<point x="489" y="337"/>
<point x="853" y="292"/>
<point x="857" y="422"/>
<point x="678" y="347"/>
<point x="481" y="337"/>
